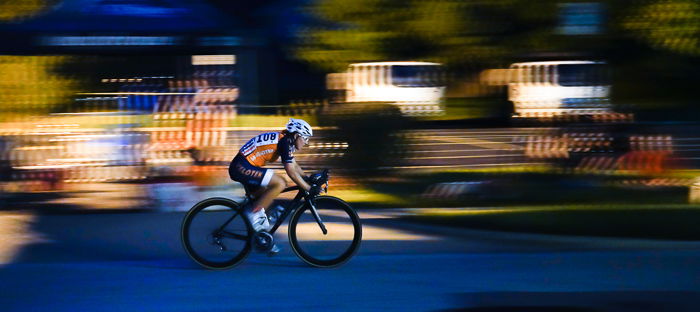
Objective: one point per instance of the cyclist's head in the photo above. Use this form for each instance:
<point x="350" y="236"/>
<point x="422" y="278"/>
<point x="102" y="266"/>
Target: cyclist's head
<point x="301" y="127"/>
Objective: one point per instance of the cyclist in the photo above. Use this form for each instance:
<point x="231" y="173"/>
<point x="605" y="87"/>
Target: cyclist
<point x="264" y="184"/>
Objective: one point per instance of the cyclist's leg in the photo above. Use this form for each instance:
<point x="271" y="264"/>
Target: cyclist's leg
<point x="254" y="179"/>
<point x="256" y="192"/>
<point x="273" y="189"/>
<point x="264" y="183"/>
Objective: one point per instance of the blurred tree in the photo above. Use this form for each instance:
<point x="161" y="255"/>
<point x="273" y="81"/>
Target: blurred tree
<point x="654" y="45"/>
<point x="30" y="85"/>
<point x="673" y="25"/>
<point x="655" y="53"/>
<point x="14" y="10"/>
<point x="454" y="32"/>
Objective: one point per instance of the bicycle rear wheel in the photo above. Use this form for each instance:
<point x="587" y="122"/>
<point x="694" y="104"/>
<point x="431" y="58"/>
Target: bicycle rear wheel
<point x="325" y="250"/>
<point x="215" y="234"/>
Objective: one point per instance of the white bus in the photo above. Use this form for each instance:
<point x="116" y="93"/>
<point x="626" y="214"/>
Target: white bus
<point x="416" y="88"/>
<point x="546" y="89"/>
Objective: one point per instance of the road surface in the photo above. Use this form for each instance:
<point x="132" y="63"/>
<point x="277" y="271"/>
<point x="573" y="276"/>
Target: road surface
<point x="134" y="262"/>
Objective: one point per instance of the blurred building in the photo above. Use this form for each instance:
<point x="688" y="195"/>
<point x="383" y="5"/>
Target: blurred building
<point x="153" y="85"/>
<point x="168" y="31"/>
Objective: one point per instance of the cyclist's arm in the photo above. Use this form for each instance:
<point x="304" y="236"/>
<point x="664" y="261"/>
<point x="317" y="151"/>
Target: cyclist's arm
<point x="296" y="174"/>
<point x="286" y="150"/>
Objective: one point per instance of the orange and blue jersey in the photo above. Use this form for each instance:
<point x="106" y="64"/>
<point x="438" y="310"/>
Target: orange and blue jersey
<point x="256" y="153"/>
<point x="267" y="147"/>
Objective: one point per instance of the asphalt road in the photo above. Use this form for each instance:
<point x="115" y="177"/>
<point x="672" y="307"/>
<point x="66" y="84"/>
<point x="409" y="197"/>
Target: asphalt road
<point x="134" y="262"/>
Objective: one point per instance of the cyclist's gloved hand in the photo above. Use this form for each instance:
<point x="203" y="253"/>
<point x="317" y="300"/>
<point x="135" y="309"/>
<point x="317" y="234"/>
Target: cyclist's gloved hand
<point x="315" y="190"/>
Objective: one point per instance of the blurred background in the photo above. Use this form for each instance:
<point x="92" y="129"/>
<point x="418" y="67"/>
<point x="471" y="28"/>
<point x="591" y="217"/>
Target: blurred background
<point x="554" y="104"/>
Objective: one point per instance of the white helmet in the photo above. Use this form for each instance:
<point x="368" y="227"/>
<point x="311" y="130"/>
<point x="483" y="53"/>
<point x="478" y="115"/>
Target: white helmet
<point x="299" y="126"/>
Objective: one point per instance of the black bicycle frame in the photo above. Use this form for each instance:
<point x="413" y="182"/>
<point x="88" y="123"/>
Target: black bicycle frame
<point x="295" y="204"/>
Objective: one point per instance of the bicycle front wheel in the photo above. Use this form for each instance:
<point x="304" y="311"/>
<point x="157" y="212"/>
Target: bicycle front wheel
<point x="335" y="247"/>
<point x="215" y="234"/>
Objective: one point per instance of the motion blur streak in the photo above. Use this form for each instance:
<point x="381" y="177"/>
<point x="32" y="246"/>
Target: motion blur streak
<point x="309" y="231"/>
<point x="15" y="234"/>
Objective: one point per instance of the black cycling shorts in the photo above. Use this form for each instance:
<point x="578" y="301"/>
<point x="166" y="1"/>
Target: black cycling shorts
<point x="242" y="171"/>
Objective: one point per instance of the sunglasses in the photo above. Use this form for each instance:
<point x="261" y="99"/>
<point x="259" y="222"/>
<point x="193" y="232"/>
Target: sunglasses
<point x="305" y="138"/>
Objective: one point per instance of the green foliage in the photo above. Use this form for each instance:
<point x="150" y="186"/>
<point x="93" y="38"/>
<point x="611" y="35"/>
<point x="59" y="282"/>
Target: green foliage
<point x="31" y="85"/>
<point x="666" y="24"/>
<point x="16" y="10"/>
<point x="653" y="45"/>
<point x="454" y="32"/>
<point x="481" y="32"/>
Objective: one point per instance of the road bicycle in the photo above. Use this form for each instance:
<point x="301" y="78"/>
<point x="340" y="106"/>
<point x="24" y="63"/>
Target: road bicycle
<point x="324" y="231"/>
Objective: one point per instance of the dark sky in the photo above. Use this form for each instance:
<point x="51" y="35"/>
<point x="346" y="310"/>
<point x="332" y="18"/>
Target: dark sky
<point x="279" y="18"/>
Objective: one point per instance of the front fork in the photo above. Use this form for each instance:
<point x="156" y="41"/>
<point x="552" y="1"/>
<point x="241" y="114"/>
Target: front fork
<point x="314" y="212"/>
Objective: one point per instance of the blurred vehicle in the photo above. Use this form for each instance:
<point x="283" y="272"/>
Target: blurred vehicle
<point x="415" y="87"/>
<point x="554" y="88"/>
